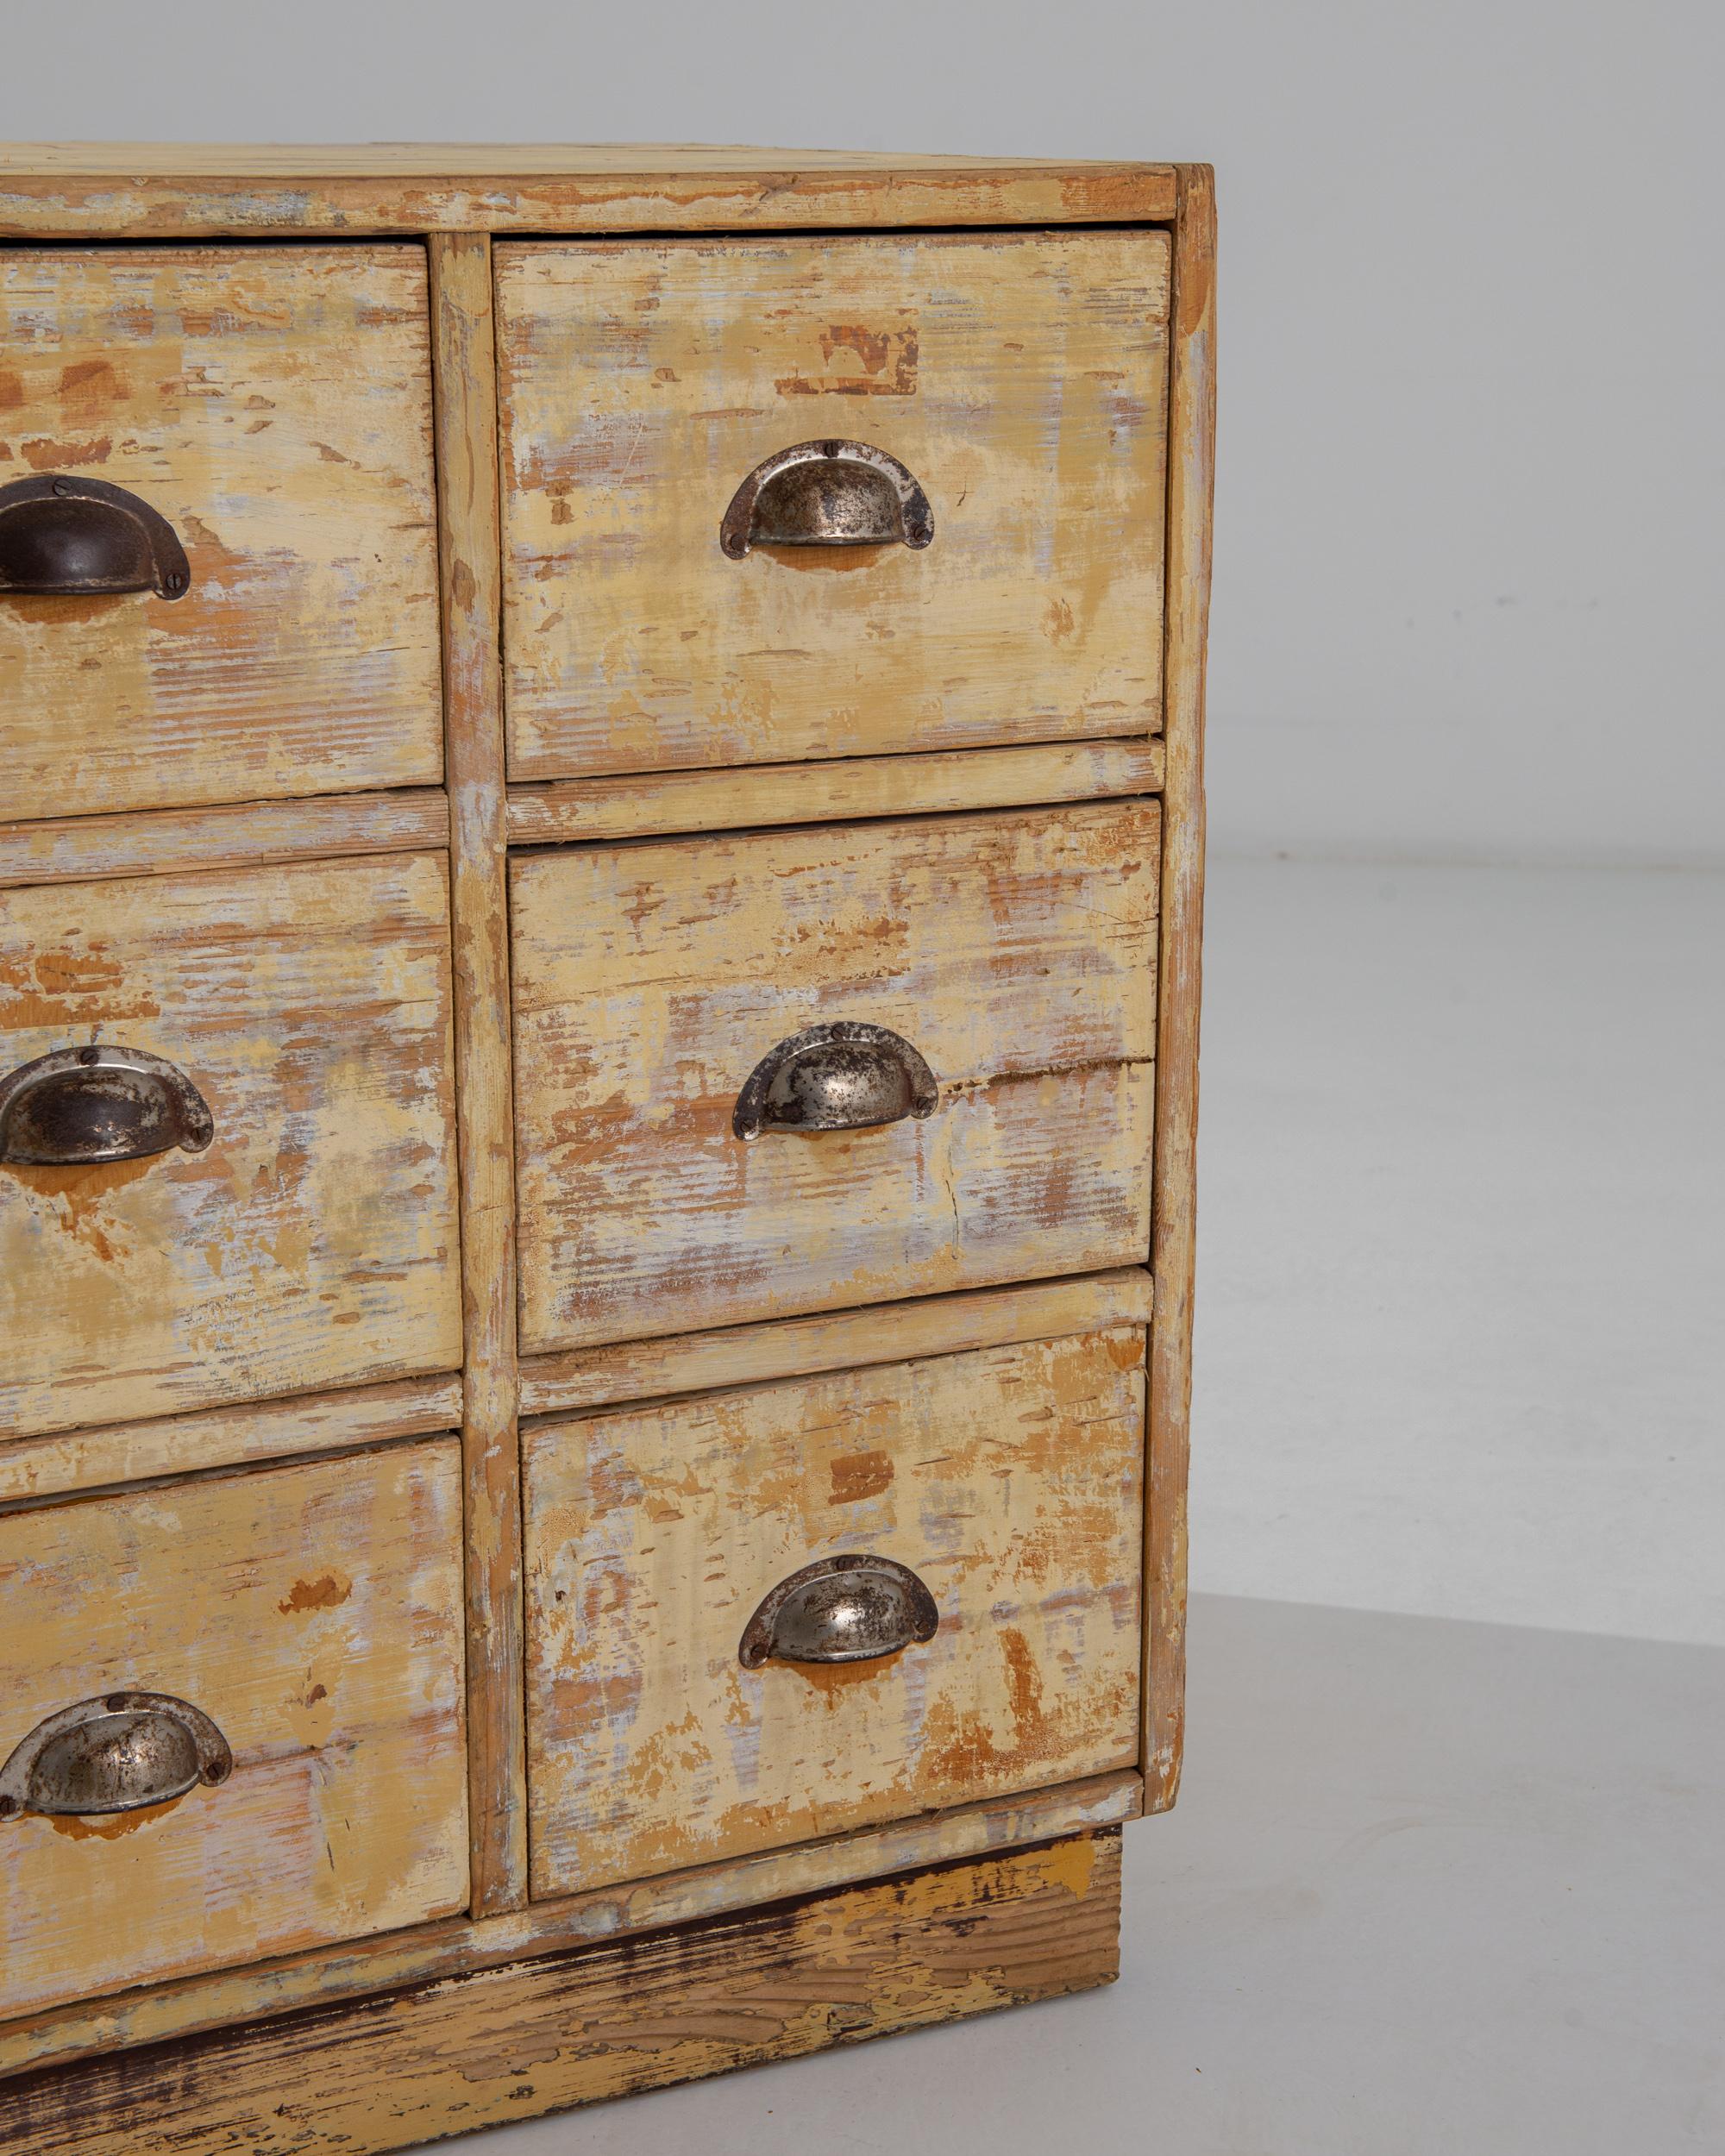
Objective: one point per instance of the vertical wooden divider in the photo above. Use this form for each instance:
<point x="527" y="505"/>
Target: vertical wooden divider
<point x="1191" y="470"/>
<point x="465" y="383"/>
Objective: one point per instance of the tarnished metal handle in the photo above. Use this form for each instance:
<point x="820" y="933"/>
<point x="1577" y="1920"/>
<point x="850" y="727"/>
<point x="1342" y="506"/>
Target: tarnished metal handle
<point x="78" y="1107"/>
<point x="68" y="535"/>
<point x="827" y="494"/>
<point x="840" y="1610"/>
<point x="115" y="1754"/>
<point x="845" y="1076"/>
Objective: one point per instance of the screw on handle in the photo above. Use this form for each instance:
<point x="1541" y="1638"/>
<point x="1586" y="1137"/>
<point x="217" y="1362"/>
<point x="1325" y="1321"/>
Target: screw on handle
<point x="827" y="494"/>
<point x="78" y="1107"/>
<point x="842" y="1076"/>
<point x="847" y="1608"/>
<point x="68" y="535"/>
<point x="118" y="1753"/>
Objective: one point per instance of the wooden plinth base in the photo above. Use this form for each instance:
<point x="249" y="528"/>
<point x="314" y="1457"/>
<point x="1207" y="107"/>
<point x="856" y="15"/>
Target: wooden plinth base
<point x="507" y="2044"/>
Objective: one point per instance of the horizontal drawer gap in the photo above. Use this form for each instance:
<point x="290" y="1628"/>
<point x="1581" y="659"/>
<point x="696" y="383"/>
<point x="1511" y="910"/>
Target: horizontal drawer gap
<point x="73" y="1462"/>
<point x="634" y="1370"/>
<point x="233" y="835"/>
<point x="572" y="811"/>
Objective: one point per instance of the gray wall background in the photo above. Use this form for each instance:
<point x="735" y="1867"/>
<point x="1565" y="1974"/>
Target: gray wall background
<point x="1473" y="343"/>
<point x="1459" y="1350"/>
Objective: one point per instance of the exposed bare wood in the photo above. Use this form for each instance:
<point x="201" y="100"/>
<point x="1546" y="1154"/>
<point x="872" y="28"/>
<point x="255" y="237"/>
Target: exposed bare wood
<point x="1009" y="1480"/>
<point x="274" y="405"/>
<point x="371" y="1965"/>
<point x="1013" y="948"/>
<point x="313" y="1243"/>
<point x="1191" y="480"/>
<point x="799" y="1347"/>
<point x="154" y="842"/>
<point x="572" y="810"/>
<point x="1021" y="377"/>
<point x="33" y="1468"/>
<point x="491" y="2049"/>
<point x="465" y="378"/>
<point x="313" y="1612"/>
<point x="154" y="190"/>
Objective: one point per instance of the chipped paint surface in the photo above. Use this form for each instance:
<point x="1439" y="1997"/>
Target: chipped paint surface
<point x="275" y="405"/>
<point x="314" y="1243"/>
<point x="345" y="1812"/>
<point x="1022" y="379"/>
<point x="1014" y="951"/>
<point x="652" y="1535"/>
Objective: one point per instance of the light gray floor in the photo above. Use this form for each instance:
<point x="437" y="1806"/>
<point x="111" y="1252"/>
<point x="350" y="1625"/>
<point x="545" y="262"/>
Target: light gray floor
<point x="1435" y="1885"/>
<point x="1431" y="1887"/>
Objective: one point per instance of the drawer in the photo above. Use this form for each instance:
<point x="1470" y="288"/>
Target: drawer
<point x="1014" y="952"/>
<point x="304" y="1233"/>
<point x="1004" y="1484"/>
<point x="1020" y="379"/>
<point x="309" y="1618"/>
<point x="274" y="404"/>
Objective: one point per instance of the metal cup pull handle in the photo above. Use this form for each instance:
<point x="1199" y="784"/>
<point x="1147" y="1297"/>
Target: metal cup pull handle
<point x="65" y="534"/>
<point x="845" y="1076"/>
<point x="827" y="494"/>
<point x="840" y="1610"/>
<point x="78" y="1107"/>
<point x="119" y="1753"/>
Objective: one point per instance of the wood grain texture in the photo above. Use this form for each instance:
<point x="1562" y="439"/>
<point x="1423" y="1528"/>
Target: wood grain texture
<point x="1021" y="377"/>
<point x="139" y="189"/>
<point x="1014" y="949"/>
<point x="314" y="1244"/>
<point x="580" y="809"/>
<point x="455" y="1947"/>
<point x="155" y="842"/>
<point x="313" y="1611"/>
<point x="274" y="404"/>
<point x="465" y="377"/>
<point x="33" y="1468"/>
<point x="1174" y="1248"/>
<point x="1009" y="1479"/>
<point x="799" y="1347"/>
<point x="490" y="2049"/>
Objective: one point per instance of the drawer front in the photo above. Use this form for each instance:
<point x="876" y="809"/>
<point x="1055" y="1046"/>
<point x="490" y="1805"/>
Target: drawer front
<point x="274" y="405"/>
<point x="313" y="1614"/>
<point x="312" y="1240"/>
<point x="1014" y="952"/>
<point x="1006" y="1481"/>
<point x="1020" y="379"/>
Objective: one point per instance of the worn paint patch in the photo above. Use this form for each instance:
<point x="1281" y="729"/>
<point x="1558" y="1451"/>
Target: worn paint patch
<point x="859" y="1475"/>
<point x="328" y="1591"/>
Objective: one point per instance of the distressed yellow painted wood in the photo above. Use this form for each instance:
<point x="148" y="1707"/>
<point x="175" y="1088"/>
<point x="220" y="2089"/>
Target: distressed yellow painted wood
<point x="314" y="1244"/>
<point x="142" y="189"/>
<point x="315" y="1612"/>
<point x="274" y="405"/>
<point x="1173" y="1248"/>
<point x="1021" y="377"/>
<point x="1014" y="951"/>
<point x="513" y="2043"/>
<point x="226" y="1437"/>
<point x="798" y="1347"/>
<point x="459" y="1947"/>
<point x="664" y="801"/>
<point x="1010" y="1480"/>
<point x="465" y="375"/>
<point x="153" y="842"/>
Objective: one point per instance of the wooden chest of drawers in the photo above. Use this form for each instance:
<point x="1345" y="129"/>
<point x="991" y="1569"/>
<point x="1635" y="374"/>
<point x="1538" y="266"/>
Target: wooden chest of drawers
<point x="601" y="867"/>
